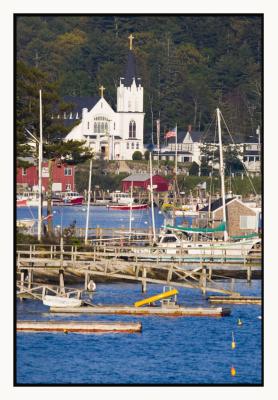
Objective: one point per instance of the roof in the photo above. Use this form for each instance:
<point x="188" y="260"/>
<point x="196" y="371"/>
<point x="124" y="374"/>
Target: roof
<point x="252" y="139"/>
<point x="81" y="102"/>
<point x="217" y="204"/>
<point x="251" y="153"/>
<point x="137" y="177"/>
<point x="171" y="153"/>
<point x="195" y="136"/>
<point x="131" y="70"/>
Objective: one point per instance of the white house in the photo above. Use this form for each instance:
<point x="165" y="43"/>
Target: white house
<point x="188" y="147"/>
<point x="113" y="135"/>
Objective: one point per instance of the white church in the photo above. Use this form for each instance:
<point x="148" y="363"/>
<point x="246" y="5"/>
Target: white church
<point x="113" y="135"/>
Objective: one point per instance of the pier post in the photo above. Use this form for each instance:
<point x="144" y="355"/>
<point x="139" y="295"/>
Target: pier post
<point x="210" y="272"/>
<point x="249" y="273"/>
<point x="87" y="279"/>
<point x="144" y="283"/>
<point x="203" y="279"/>
<point x="29" y="278"/>
<point x="61" y="280"/>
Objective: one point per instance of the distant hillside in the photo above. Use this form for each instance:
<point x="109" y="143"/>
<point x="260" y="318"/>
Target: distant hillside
<point x="189" y="65"/>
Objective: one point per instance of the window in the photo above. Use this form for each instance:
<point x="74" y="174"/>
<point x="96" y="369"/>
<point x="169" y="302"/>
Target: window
<point x="68" y="186"/>
<point x="127" y="145"/>
<point x="24" y="172"/>
<point x="247" y="222"/>
<point x="132" y="129"/>
<point x="245" y="158"/>
<point x="68" y="171"/>
<point x="101" y="124"/>
<point x="88" y="125"/>
<point x="132" y="145"/>
<point x="137" y="145"/>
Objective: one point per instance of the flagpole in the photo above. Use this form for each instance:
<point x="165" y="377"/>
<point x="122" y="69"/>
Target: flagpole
<point x="176" y="163"/>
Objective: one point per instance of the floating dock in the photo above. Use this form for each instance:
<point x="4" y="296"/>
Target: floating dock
<point x="235" y="299"/>
<point x="78" y="326"/>
<point x="176" y="311"/>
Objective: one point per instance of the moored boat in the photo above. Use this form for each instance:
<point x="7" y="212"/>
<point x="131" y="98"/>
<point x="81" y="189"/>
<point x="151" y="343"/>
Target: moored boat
<point x="60" y="301"/>
<point x="132" y="207"/>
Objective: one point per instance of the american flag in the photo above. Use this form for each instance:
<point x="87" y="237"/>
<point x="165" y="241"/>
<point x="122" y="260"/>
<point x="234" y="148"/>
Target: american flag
<point x="171" y="133"/>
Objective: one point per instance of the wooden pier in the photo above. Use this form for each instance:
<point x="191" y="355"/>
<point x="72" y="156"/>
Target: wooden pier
<point x="123" y="263"/>
<point x="78" y="326"/>
<point x="176" y="311"/>
<point x="235" y="299"/>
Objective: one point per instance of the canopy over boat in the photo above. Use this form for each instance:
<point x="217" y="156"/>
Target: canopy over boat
<point x="220" y="228"/>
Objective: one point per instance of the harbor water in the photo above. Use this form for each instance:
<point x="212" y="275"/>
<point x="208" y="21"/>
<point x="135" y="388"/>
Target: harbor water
<point x="170" y="350"/>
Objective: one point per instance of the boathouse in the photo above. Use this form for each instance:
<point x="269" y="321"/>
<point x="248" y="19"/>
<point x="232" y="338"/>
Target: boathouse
<point x="160" y="184"/>
<point x="63" y="177"/>
<point x="241" y="219"/>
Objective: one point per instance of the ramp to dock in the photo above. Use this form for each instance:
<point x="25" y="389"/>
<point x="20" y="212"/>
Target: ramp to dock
<point x="157" y="297"/>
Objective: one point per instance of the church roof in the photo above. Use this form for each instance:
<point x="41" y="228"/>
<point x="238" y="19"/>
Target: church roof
<point x="81" y="102"/>
<point x="131" y="71"/>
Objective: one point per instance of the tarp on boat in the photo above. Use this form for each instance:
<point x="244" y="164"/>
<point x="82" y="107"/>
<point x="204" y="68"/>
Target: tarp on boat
<point x="220" y="228"/>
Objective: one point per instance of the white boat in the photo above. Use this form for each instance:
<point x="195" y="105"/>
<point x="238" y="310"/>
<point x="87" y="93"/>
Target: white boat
<point x="25" y="223"/>
<point x="60" y="301"/>
<point x="121" y="198"/>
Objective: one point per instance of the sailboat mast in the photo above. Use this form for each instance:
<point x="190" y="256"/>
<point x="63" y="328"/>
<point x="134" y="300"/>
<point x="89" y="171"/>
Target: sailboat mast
<point x="151" y="190"/>
<point x="130" y="208"/>
<point x="222" y="174"/>
<point x="40" y="173"/>
<point x="88" y="203"/>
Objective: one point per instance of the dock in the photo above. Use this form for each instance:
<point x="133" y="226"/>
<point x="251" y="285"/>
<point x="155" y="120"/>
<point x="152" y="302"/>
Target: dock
<point x="235" y="299"/>
<point x="123" y="263"/>
<point x="78" y="326"/>
<point x="176" y="311"/>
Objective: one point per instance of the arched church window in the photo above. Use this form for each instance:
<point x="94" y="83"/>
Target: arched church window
<point x="106" y="127"/>
<point x="132" y="129"/>
<point x="95" y="128"/>
<point x="127" y="145"/>
<point x="102" y="127"/>
<point x="88" y="125"/>
<point x="132" y="145"/>
<point x="137" y="145"/>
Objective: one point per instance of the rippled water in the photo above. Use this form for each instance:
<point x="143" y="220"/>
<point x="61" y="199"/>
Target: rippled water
<point x="181" y="350"/>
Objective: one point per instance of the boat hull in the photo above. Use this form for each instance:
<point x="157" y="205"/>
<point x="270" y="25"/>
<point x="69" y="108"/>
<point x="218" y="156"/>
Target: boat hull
<point x="134" y="207"/>
<point x="59" y="301"/>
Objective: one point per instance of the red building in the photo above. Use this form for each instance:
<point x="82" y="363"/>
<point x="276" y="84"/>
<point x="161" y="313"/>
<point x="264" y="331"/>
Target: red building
<point x="143" y="181"/>
<point x="63" y="177"/>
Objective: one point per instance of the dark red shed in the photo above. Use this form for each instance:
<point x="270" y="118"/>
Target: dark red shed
<point x="143" y="181"/>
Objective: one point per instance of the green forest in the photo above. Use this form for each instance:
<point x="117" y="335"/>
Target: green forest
<point x="189" y="65"/>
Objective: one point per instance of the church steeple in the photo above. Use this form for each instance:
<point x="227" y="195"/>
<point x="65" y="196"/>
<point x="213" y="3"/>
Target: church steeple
<point x="130" y="91"/>
<point x="131" y="70"/>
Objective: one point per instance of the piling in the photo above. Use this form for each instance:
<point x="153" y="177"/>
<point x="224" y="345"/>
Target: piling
<point x="62" y="281"/>
<point x="144" y="282"/>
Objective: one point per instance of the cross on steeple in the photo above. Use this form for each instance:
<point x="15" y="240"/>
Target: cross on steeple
<point x="101" y="88"/>
<point x="130" y="41"/>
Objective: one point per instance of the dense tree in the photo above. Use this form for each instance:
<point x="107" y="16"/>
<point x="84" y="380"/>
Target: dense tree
<point x="189" y="64"/>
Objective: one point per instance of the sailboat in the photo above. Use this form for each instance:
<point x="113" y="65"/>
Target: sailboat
<point x="170" y="243"/>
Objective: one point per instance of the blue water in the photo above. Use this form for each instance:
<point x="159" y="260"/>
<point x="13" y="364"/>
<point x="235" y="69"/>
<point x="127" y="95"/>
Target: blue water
<point x="181" y="350"/>
<point x="99" y="216"/>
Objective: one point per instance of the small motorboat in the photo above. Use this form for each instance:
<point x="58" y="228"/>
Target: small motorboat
<point x="60" y="301"/>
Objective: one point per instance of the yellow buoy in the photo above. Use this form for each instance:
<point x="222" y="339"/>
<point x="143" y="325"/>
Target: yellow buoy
<point x="239" y="322"/>
<point x="233" y="371"/>
<point x="233" y="341"/>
